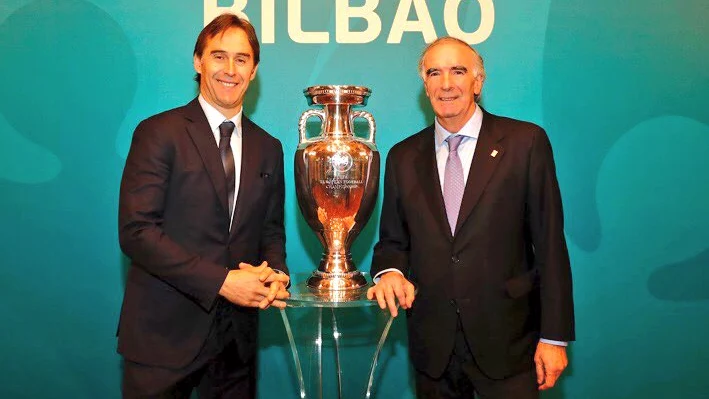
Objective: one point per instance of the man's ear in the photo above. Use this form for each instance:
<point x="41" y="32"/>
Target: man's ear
<point x="253" y="73"/>
<point x="478" y="85"/>
<point x="197" y="62"/>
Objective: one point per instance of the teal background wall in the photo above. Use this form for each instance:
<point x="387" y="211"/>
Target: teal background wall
<point x="621" y="87"/>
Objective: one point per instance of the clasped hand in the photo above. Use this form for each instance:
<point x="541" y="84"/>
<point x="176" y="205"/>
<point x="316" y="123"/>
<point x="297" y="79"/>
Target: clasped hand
<point x="256" y="286"/>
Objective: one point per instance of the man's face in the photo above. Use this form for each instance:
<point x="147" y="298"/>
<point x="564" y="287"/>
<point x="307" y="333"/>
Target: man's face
<point x="451" y="83"/>
<point x="226" y="68"/>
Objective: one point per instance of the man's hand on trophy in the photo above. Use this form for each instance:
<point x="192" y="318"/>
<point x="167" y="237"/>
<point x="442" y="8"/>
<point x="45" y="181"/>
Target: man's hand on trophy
<point x="392" y="287"/>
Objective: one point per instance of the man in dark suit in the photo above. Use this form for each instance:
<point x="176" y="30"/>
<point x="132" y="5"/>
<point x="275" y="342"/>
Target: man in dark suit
<point x="201" y="203"/>
<point x="472" y="217"/>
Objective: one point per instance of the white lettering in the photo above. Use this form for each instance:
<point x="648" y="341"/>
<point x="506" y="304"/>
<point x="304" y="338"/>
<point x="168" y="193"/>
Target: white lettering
<point x="487" y="21"/>
<point x="423" y="24"/>
<point x="268" y="21"/>
<point x="295" y="30"/>
<point x="343" y="14"/>
<point x="212" y="9"/>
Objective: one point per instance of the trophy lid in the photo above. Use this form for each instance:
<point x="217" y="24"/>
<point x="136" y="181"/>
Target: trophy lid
<point x="337" y="94"/>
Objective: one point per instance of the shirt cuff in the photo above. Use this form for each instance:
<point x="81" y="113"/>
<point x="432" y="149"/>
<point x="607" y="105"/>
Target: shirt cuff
<point x="281" y="272"/>
<point x="377" y="276"/>
<point x="552" y="342"/>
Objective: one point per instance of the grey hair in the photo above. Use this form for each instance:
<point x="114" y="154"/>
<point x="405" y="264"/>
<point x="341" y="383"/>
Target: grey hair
<point x="479" y="67"/>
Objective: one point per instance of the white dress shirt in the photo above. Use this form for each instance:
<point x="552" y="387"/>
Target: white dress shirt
<point x="215" y="118"/>
<point x="466" y="149"/>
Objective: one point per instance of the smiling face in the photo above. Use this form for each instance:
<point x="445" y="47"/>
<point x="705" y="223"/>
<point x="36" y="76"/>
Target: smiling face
<point x="226" y="68"/>
<point x="452" y="79"/>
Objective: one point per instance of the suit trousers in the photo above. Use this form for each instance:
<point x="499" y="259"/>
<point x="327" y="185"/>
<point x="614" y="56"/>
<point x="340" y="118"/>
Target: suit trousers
<point x="217" y="372"/>
<point x="463" y="379"/>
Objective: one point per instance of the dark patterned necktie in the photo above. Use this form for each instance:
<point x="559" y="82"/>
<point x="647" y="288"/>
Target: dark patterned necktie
<point x="453" y="182"/>
<point x="225" y="131"/>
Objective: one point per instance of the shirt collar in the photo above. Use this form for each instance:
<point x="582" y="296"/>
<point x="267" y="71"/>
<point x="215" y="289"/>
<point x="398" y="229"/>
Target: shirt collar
<point x="470" y="129"/>
<point x="215" y="118"/>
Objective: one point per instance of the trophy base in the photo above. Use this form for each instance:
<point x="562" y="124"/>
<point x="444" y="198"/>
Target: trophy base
<point x="337" y="286"/>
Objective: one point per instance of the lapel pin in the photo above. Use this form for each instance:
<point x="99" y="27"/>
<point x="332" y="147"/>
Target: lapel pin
<point x="493" y="153"/>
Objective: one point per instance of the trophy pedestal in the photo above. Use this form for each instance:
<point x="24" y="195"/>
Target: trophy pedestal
<point x="337" y="286"/>
<point x="335" y="341"/>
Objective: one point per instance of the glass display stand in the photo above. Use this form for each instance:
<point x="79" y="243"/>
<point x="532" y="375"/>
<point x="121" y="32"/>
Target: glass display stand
<point x="337" y="337"/>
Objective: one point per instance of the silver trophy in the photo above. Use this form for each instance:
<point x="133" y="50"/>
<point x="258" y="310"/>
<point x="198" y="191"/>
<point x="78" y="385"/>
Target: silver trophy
<point x="336" y="181"/>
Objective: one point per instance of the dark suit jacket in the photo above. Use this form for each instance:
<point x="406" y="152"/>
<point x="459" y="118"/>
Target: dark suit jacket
<point x="174" y="226"/>
<point x="506" y="269"/>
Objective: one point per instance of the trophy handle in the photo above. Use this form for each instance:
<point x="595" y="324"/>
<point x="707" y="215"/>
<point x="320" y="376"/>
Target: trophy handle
<point x="370" y="119"/>
<point x="304" y="118"/>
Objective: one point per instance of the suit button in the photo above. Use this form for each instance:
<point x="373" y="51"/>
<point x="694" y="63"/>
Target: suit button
<point x="455" y="259"/>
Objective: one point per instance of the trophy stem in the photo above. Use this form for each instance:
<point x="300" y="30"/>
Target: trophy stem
<point x="336" y="270"/>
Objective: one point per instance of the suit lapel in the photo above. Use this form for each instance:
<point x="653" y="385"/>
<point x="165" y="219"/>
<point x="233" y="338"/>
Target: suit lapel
<point x="249" y="169"/>
<point x="427" y="171"/>
<point x="201" y="134"/>
<point x="488" y="153"/>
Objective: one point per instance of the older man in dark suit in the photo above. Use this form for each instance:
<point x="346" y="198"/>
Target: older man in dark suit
<point x="201" y="204"/>
<point x="472" y="217"/>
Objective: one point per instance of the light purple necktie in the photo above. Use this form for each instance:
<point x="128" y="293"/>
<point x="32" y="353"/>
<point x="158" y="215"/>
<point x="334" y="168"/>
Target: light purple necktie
<point x="453" y="181"/>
